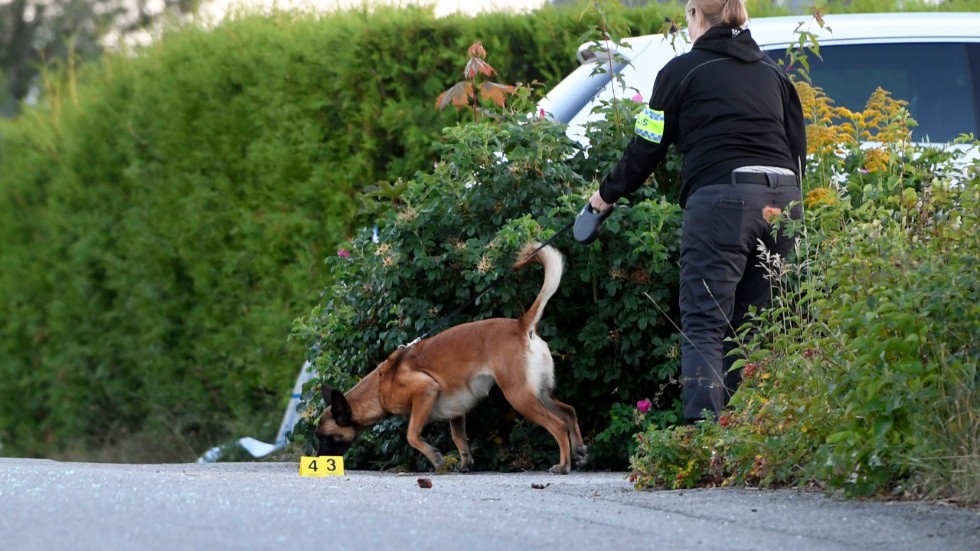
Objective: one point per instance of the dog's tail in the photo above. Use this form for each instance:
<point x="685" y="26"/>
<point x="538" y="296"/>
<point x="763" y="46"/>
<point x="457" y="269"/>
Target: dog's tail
<point x="553" y="264"/>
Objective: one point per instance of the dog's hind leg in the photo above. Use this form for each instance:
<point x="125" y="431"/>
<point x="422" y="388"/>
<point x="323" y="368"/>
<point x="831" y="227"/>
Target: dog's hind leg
<point x="457" y="427"/>
<point x="527" y="403"/>
<point x="579" y="451"/>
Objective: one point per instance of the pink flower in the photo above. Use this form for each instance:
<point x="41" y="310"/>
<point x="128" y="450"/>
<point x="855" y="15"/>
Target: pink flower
<point x="644" y="406"/>
<point x="638" y="97"/>
<point x="343" y="253"/>
<point x="771" y="213"/>
<point x="541" y="113"/>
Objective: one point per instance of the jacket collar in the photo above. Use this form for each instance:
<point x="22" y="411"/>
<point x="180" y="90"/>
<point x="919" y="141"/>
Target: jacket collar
<point x="724" y="40"/>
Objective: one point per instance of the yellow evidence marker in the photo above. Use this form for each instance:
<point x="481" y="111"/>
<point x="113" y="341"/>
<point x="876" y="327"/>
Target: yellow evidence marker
<point x="327" y="465"/>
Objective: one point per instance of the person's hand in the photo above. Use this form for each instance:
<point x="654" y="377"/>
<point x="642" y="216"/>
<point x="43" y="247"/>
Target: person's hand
<point x="598" y="204"/>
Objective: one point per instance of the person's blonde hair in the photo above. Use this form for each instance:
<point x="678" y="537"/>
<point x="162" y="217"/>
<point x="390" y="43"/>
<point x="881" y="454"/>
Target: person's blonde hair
<point x="731" y="13"/>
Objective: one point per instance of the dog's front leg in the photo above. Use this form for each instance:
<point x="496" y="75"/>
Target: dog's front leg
<point x="421" y="408"/>
<point x="458" y="429"/>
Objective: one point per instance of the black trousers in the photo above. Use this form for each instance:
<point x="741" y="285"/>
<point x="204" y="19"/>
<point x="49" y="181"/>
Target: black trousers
<point x="722" y="276"/>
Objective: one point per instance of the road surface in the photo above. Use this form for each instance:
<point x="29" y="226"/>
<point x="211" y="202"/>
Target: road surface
<point x="49" y="505"/>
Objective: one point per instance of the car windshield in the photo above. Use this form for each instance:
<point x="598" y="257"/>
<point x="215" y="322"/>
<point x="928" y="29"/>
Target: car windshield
<point x="939" y="81"/>
<point x="573" y="93"/>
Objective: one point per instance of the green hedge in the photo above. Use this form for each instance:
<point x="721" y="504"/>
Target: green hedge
<point x="166" y="212"/>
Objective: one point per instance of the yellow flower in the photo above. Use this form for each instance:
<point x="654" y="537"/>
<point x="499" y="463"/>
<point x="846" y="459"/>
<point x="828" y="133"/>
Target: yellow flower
<point x="830" y="128"/>
<point x="819" y="196"/>
<point x="876" y="159"/>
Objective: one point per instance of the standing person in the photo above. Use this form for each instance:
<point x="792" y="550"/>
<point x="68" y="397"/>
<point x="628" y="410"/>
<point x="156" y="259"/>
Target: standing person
<point x="736" y="118"/>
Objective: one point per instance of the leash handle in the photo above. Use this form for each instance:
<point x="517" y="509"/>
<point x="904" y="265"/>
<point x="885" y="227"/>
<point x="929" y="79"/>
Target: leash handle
<point x="588" y="222"/>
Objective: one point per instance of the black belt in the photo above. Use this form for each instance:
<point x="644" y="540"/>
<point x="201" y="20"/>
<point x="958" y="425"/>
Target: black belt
<point x="770" y="179"/>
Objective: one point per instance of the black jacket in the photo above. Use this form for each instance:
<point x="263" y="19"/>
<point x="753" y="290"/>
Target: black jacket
<point x="723" y="105"/>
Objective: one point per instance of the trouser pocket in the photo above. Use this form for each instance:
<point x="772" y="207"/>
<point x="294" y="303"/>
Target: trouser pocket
<point x="727" y="220"/>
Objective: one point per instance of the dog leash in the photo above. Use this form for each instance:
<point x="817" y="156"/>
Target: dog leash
<point x="474" y="298"/>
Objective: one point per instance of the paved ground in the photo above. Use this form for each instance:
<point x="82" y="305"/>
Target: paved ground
<point x="48" y="505"/>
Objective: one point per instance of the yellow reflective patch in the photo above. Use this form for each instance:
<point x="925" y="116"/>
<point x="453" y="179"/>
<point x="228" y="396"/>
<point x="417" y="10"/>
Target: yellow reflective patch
<point x="650" y="125"/>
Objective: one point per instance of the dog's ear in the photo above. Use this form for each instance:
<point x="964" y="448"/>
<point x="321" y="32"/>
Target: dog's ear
<point x="325" y="390"/>
<point x="340" y="407"/>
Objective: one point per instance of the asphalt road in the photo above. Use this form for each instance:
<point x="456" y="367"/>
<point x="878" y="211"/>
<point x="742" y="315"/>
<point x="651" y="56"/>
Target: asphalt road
<point x="48" y="505"/>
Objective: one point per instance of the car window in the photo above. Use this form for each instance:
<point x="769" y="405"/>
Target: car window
<point x="936" y="80"/>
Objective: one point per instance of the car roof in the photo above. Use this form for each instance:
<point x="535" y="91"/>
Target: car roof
<point x="866" y="27"/>
<point x="870" y="26"/>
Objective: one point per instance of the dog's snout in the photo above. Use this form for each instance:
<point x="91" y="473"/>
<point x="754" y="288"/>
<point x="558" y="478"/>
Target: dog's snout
<point x="331" y="445"/>
<point x="323" y="443"/>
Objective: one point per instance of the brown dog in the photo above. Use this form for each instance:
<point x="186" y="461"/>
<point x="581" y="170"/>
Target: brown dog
<point x="443" y="377"/>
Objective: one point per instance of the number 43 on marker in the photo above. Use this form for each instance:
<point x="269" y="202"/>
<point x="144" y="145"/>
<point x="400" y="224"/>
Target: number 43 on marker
<point x="328" y="465"/>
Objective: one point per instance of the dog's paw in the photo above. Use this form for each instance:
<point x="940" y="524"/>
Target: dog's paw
<point x="581" y="455"/>
<point x="438" y="462"/>
<point x="560" y="469"/>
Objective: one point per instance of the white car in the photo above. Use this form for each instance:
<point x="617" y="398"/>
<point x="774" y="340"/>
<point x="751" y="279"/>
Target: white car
<point x="931" y="60"/>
